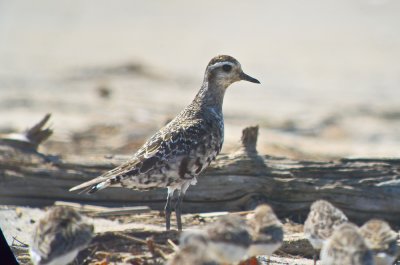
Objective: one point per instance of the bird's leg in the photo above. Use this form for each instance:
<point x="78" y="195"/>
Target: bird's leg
<point x="168" y="209"/>
<point x="178" y="209"/>
<point x="315" y="256"/>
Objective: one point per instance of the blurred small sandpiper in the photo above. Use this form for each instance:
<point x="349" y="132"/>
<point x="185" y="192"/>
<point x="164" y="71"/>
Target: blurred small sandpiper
<point x="266" y="231"/>
<point x="382" y="240"/>
<point x="193" y="250"/>
<point x="59" y="236"/>
<point x="346" y="246"/>
<point x="229" y="239"/>
<point x="321" y="222"/>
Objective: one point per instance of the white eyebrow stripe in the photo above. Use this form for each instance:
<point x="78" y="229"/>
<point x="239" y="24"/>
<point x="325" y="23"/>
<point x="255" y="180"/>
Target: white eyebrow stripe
<point x="218" y="64"/>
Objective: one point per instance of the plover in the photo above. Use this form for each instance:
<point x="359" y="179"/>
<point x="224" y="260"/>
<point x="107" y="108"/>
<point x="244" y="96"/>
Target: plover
<point x="229" y="239"/>
<point x="266" y="231"/>
<point x="346" y="246"/>
<point x="59" y="236"/>
<point x="174" y="156"/>
<point x="382" y="240"/>
<point x="321" y="222"/>
<point x="193" y="249"/>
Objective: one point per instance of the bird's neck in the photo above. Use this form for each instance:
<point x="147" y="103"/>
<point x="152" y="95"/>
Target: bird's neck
<point x="211" y="95"/>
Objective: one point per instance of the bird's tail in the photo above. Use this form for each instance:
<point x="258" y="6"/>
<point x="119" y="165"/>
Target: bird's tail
<point x="93" y="185"/>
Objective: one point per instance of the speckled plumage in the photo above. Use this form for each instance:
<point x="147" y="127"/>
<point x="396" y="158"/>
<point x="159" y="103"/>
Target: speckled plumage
<point x="266" y="231"/>
<point x="59" y="236"/>
<point x="193" y="250"/>
<point x="346" y="246"/>
<point x="322" y="220"/>
<point x="382" y="240"/>
<point x="229" y="239"/>
<point x="174" y="156"/>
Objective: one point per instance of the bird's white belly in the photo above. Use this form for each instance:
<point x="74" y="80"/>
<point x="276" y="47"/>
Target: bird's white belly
<point x="384" y="259"/>
<point x="60" y="260"/>
<point x="316" y="243"/>
<point x="262" y="249"/>
<point x="227" y="253"/>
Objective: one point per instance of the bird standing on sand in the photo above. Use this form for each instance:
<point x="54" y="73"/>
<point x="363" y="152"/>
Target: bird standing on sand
<point x="174" y="156"/>
<point x="266" y="231"/>
<point x="346" y="246"/>
<point x="381" y="240"/>
<point x="59" y="236"/>
<point x="193" y="250"/>
<point x="229" y="239"/>
<point x="322" y="220"/>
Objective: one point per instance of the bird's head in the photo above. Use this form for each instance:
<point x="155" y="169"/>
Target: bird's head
<point x="225" y="70"/>
<point x="262" y="213"/>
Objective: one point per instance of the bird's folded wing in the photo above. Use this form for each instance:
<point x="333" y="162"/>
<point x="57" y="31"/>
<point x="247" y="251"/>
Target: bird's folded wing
<point x="165" y="146"/>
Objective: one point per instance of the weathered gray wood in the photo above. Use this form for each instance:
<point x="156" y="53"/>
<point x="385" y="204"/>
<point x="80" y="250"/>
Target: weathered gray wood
<point x="102" y="211"/>
<point x="363" y="188"/>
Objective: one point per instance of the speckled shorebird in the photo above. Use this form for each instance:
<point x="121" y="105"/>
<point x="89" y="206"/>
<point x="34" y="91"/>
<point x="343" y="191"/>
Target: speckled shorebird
<point x="193" y="250"/>
<point x="382" y="240"/>
<point x="174" y="156"/>
<point x="346" y="246"/>
<point x="266" y="231"/>
<point x="229" y="239"/>
<point x="322" y="220"/>
<point x="59" y="236"/>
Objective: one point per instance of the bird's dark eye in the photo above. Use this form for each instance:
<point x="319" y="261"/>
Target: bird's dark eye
<point x="227" y="68"/>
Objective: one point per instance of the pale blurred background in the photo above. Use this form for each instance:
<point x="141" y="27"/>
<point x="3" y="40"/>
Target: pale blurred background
<point x="113" y="72"/>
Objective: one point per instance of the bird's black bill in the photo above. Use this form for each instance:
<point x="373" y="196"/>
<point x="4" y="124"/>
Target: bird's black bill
<point x="243" y="76"/>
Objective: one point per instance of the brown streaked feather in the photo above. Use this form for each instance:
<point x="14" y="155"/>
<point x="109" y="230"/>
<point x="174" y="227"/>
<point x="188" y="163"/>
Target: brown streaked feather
<point x="156" y="153"/>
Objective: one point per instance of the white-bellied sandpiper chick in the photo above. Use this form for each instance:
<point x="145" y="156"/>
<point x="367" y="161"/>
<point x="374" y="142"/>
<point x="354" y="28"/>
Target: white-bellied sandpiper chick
<point x="193" y="250"/>
<point x="229" y="239"/>
<point x="322" y="220"/>
<point x="382" y="240"/>
<point x="59" y="236"/>
<point x="174" y="156"/>
<point x="266" y="231"/>
<point x="346" y="246"/>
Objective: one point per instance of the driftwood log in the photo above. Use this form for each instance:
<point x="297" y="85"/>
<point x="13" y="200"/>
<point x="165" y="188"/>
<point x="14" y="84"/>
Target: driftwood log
<point x="363" y="188"/>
